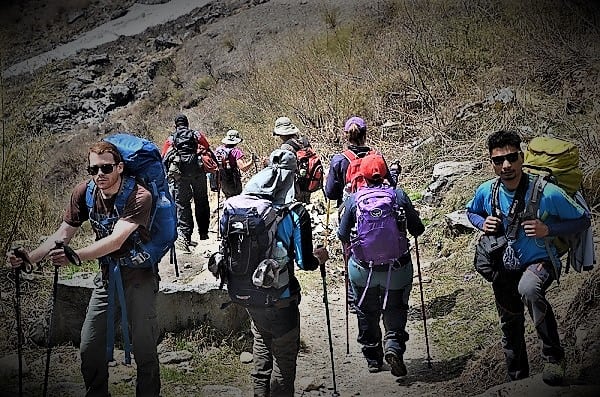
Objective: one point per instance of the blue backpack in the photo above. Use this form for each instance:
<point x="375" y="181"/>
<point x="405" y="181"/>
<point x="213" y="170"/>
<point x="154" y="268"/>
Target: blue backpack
<point x="143" y="163"/>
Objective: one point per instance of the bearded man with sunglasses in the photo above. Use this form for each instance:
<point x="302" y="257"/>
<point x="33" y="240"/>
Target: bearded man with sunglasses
<point x="528" y="266"/>
<point x="105" y="165"/>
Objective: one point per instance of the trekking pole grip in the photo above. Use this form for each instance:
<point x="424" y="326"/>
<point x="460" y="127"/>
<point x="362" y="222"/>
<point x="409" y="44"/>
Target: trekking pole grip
<point x="26" y="266"/>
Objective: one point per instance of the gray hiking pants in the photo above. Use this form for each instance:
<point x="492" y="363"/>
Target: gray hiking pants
<point x="140" y="287"/>
<point x="276" y="344"/>
<point x="184" y="191"/>
<point x="514" y="291"/>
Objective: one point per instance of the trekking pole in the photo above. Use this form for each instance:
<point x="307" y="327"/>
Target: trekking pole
<point x="326" y="302"/>
<point x="218" y="205"/>
<point x="422" y="302"/>
<point x="254" y="160"/>
<point x="173" y="260"/>
<point x="74" y="259"/>
<point x="346" y="284"/>
<point x="27" y="267"/>
<point x="19" y="332"/>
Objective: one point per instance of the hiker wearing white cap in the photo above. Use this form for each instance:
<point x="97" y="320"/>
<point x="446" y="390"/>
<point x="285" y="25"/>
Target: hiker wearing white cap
<point x="232" y="163"/>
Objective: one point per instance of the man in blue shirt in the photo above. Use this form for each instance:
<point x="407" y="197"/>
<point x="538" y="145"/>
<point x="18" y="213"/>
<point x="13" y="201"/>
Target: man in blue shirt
<point x="533" y="267"/>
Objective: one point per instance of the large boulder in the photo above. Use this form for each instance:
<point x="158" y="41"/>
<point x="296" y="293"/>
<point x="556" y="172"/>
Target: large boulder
<point x="178" y="307"/>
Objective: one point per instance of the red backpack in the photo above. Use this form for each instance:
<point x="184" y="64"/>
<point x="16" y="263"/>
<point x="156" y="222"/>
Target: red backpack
<point x="354" y="179"/>
<point x="309" y="171"/>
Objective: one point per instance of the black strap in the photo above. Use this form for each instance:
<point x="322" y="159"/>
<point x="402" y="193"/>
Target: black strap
<point x="533" y="204"/>
<point x="517" y="207"/>
<point x="495" y="200"/>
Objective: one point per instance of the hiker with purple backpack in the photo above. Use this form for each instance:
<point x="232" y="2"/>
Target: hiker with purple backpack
<point x="374" y="225"/>
<point x="342" y="170"/>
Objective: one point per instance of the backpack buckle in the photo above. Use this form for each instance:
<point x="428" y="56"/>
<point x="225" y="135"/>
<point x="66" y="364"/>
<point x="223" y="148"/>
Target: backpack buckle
<point x="140" y="258"/>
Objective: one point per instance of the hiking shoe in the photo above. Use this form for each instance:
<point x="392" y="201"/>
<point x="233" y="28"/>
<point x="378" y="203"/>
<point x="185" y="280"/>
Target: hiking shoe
<point x="554" y="373"/>
<point x="396" y="364"/>
<point x="204" y="236"/>
<point x="352" y="308"/>
<point x="182" y="244"/>
<point x="374" y="367"/>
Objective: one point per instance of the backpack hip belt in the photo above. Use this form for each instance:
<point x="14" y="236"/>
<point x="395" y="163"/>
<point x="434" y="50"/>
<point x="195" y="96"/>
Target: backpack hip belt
<point x="395" y="264"/>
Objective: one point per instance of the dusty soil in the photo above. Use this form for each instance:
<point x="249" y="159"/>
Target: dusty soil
<point x="314" y="377"/>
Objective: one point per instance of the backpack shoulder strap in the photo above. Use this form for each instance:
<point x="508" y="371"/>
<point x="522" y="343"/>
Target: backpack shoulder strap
<point x="89" y="194"/>
<point x="495" y="199"/>
<point x="533" y="205"/>
<point x="124" y="193"/>
<point x="349" y="155"/>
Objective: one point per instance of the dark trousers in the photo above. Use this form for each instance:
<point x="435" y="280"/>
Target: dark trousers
<point x="395" y="316"/>
<point x="369" y="313"/>
<point x="184" y="191"/>
<point x="513" y="292"/>
<point x="276" y="344"/>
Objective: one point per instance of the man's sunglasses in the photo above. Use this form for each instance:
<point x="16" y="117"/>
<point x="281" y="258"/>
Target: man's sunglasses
<point x="105" y="168"/>
<point x="510" y="157"/>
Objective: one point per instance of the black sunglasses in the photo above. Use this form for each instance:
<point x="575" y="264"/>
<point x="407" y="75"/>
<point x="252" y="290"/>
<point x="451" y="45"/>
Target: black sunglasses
<point x="510" y="157"/>
<point x="105" y="168"/>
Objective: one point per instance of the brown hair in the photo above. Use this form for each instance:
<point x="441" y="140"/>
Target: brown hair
<point x="357" y="136"/>
<point x="106" y="147"/>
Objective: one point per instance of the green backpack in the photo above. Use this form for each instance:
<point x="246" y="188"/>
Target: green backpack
<point x="557" y="160"/>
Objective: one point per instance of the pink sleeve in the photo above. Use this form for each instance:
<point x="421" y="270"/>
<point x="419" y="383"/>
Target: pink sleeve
<point x="237" y="153"/>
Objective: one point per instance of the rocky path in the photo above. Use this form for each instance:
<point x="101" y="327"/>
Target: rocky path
<point x="314" y="371"/>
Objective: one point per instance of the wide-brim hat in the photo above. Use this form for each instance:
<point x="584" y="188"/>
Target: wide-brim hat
<point x="284" y="126"/>
<point x="276" y="181"/>
<point x="232" y="137"/>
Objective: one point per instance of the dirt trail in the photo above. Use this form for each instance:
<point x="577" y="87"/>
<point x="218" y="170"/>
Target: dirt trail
<point x="314" y="363"/>
<point x="352" y="376"/>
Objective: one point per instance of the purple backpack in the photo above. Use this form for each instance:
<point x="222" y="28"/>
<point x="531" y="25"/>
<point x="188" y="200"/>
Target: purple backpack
<point x="380" y="227"/>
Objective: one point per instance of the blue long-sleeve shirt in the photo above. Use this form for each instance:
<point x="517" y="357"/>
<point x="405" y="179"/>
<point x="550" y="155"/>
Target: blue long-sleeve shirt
<point x="295" y="232"/>
<point x="557" y="210"/>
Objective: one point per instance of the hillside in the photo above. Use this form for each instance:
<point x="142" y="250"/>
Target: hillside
<point x="431" y="78"/>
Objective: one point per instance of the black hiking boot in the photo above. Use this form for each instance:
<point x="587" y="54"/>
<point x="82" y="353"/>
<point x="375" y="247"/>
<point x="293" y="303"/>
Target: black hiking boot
<point x="374" y="367"/>
<point x="396" y="364"/>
